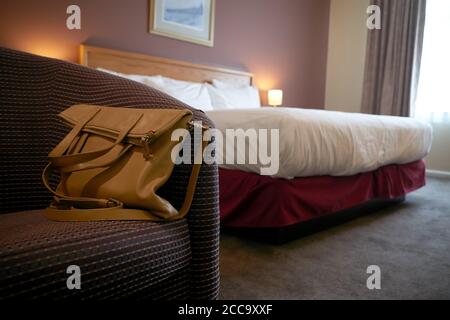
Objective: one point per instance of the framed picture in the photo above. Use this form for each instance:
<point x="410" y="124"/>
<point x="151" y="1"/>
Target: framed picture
<point x="188" y="20"/>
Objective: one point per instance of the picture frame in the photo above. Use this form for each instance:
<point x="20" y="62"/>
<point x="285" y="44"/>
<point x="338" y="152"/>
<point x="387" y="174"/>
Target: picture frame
<point x="186" y="20"/>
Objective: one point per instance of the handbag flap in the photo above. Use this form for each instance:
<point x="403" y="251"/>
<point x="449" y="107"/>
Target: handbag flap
<point x="112" y="120"/>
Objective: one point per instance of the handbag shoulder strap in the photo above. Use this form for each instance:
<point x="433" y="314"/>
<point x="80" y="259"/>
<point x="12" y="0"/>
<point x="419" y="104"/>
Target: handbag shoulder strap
<point x="190" y="191"/>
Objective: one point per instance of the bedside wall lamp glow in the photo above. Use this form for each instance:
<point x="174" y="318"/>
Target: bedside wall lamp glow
<point x="275" y="98"/>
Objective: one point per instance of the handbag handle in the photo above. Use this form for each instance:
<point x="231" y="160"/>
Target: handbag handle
<point x="57" y="158"/>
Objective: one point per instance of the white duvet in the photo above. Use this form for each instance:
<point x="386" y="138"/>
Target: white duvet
<point x="318" y="142"/>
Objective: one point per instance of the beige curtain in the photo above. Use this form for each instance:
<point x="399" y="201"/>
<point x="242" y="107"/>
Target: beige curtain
<point x="393" y="58"/>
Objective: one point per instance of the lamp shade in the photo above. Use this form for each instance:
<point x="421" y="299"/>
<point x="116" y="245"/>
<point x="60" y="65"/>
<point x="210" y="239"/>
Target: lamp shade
<point x="275" y="97"/>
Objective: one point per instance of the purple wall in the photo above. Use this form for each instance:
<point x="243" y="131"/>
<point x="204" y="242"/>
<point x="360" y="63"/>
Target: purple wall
<point x="283" y="42"/>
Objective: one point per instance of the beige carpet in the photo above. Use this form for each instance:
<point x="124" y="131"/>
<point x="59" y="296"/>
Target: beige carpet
<point x="410" y="243"/>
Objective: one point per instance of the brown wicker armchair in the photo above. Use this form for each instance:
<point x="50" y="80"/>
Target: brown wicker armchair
<point x="174" y="260"/>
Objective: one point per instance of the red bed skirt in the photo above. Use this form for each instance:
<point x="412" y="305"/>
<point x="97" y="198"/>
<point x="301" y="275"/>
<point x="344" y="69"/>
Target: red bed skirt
<point x="249" y="200"/>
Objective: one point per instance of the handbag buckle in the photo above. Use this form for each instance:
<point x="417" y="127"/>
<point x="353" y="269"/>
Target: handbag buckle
<point x="196" y="124"/>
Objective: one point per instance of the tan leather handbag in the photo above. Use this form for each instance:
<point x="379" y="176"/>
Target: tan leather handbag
<point x="113" y="162"/>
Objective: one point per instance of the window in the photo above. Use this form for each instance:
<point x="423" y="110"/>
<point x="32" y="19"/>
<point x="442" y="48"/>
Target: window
<point x="433" y="95"/>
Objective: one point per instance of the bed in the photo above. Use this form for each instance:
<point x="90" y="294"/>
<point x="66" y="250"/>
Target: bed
<point x="331" y="164"/>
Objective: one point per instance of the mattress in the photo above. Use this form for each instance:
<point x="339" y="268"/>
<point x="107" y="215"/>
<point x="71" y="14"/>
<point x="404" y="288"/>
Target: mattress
<point x="324" y="143"/>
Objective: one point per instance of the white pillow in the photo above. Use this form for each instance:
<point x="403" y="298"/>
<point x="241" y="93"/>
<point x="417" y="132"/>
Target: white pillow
<point x="226" y="97"/>
<point x="218" y="99"/>
<point x="193" y="94"/>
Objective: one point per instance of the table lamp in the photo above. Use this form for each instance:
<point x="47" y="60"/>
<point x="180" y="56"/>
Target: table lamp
<point x="275" y="98"/>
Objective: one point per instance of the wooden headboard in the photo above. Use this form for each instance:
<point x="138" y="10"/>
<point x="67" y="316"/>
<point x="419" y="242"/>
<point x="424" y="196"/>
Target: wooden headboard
<point x="135" y="63"/>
